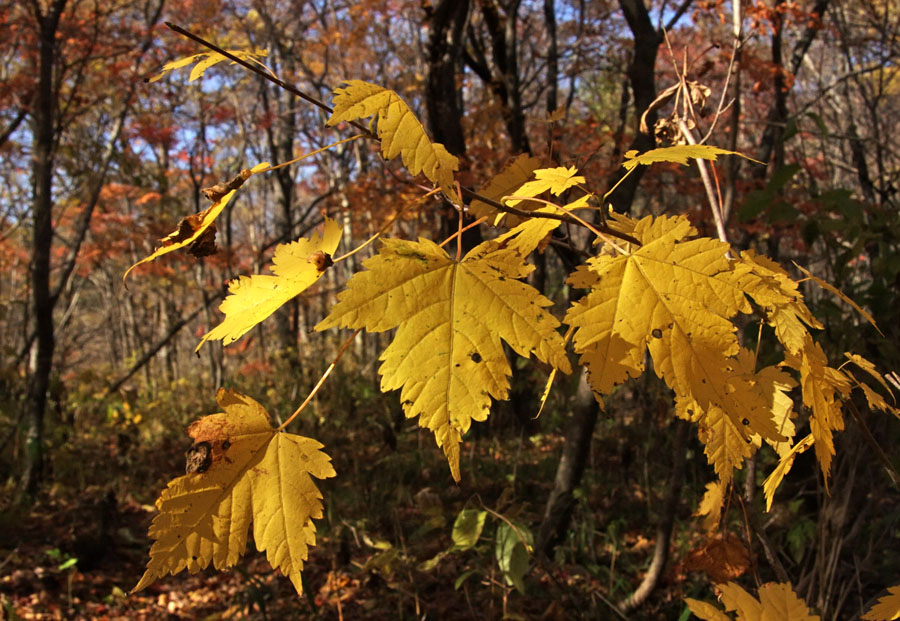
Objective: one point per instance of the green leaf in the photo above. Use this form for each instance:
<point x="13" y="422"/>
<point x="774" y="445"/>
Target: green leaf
<point x="462" y="578"/>
<point x="512" y="551"/>
<point x="467" y="528"/>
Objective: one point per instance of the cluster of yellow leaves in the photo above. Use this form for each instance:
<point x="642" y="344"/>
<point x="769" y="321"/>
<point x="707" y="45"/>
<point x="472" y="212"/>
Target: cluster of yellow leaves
<point x="671" y="293"/>
<point x="253" y="473"/>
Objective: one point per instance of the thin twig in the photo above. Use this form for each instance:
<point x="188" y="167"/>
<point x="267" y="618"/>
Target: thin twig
<point x="466" y="192"/>
<point x="321" y="381"/>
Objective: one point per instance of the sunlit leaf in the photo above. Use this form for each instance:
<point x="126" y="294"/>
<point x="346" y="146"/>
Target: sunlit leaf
<point x="887" y="608"/>
<point x="193" y="228"/>
<point x="679" y="154"/>
<point x="400" y="131"/>
<point x="248" y="473"/>
<point x="295" y="267"/>
<point x="450" y="317"/>
<point x="205" y="60"/>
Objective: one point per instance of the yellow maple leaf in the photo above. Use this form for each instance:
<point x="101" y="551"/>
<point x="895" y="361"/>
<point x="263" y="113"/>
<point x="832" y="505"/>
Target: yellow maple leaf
<point x="823" y="389"/>
<point x="399" y="130"/>
<point x="556" y="180"/>
<point x="191" y="228"/>
<point x="296" y="266"/>
<point x="770" y="485"/>
<point x="450" y="317"/>
<point x="778" y="294"/>
<point x="710" y="507"/>
<point x="869" y="368"/>
<point x="205" y="60"/>
<point x="777" y="602"/>
<point x="250" y="473"/>
<point x="834" y="290"/>
<point x="506" y="183"/>
<point x="679" y="154"/>
<point x="887" y="608"/>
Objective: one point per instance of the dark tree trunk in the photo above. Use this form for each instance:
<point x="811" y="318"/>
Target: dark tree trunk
<point x="43" y="121"/>
<point x="641" y="79"/>
<point x="442" y="98"/>
<point x="771" y="144"/>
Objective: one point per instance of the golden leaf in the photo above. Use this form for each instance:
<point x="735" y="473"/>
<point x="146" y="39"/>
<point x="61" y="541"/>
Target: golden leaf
<point x="679" y="154"/>
<point x="505" y="183"/>
<point x="556" y="180"/>
<point x="777" y="602"/>
<point x="778" y="294"/>
<point x="823" y="389"/>
<point x="296" y="266"/>
<point x="711" y="504"/>
<point x="399" y="130"/>
<point x="450" y="317"/>
<point x="887" y="608"/>
<point x="675" y="297"/>
<point x="205" y="60"/>
<point x="784" y="466"/>
<point x="253" y="474"/>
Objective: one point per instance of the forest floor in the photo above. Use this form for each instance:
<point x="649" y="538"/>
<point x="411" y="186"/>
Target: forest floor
<point x="78" y="552"/>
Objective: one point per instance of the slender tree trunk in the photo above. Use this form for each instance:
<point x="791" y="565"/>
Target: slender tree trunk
<point x="641" y="78"/>
<point x="558" y="510"/>
<point x="666" y="521"/>
<point x="42" y="213"/>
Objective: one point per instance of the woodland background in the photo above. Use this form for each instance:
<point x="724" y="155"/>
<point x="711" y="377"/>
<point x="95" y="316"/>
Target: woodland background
<point x="98" y="382"/>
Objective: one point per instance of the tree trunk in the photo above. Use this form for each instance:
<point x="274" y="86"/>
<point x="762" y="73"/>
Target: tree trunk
<point x="42" y="240"/>
<point x="771" y="144"/>
<point x="641" y="78"/>
<point x="558" y="510"/>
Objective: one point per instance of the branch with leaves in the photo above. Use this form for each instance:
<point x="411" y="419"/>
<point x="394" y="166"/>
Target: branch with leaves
<point x="654" y="287"/>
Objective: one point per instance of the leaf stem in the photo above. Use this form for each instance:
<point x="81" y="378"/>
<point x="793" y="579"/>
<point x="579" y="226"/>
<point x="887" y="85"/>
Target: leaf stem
<point x="321" y="381"/>
<point x="311" y="153"/>
<point x="480" y="220"/>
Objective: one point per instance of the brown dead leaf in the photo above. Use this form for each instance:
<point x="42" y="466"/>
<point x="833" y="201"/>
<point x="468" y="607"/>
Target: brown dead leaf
<point x="723" y="557"/>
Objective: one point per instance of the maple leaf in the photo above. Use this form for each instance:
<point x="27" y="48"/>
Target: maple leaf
<point x="778" y="294"/>
<point x="777" y="602"/>
<point x="195" y="227"/>
<point x="823" y="389"/>
<point x="887" y="608"/>
<point x="296" y="266"/>
<point x="722" y="557"/>
<point x="679" y="154"/>
<point x="251" y="472"/>
<point x="450" y="317"/>
<point x="506" y="183"/>
<point x="399" y="130"/>
<point x="784" y="466"/>
<point x="676" y="297"/>
<point x="205" y="60"/>
<point x="556" y="180"/>
<point x="711" y="504"/>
